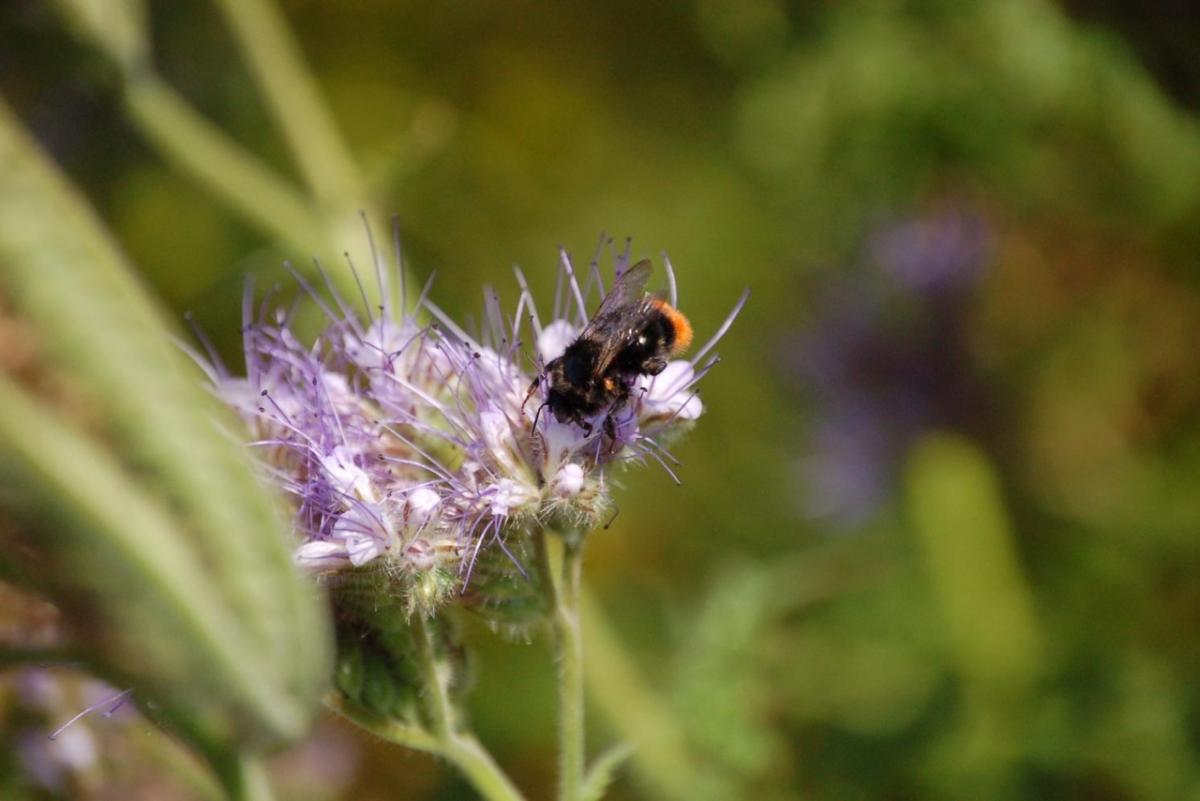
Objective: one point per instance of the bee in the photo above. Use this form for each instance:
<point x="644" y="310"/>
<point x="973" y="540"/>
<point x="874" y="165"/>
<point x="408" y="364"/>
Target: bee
<point x="631" y="334"/>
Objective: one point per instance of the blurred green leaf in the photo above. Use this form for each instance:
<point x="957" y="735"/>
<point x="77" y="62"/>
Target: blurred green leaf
<point x="603" y="770"/>
<point x="136" y="513"/>
<point x="958" y="515"/>
<point x="118" y="26"/>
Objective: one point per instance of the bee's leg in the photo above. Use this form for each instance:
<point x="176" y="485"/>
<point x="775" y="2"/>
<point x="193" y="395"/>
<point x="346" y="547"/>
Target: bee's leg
<point x="654" y="365"/>
<point x="610" y="428"/>
<point x="538" y="415"/>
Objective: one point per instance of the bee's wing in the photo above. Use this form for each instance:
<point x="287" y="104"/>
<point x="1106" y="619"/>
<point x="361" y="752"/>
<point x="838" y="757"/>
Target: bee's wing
<point x="629" y="288"/>
<point x="617" y="320"/>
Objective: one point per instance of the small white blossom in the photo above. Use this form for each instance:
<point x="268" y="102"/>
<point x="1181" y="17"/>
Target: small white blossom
<point x="568" y="480"/>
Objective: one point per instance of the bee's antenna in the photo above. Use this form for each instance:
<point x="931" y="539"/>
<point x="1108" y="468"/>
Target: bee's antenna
<point x="616" y="512"/>
<point x="537" y="415"/>
<point x="536" y="382"/>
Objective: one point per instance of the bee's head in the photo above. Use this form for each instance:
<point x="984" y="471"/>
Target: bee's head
<point x="555" y="377"/>
<point x="562" y="394"/>
<point x="559" y="389"/>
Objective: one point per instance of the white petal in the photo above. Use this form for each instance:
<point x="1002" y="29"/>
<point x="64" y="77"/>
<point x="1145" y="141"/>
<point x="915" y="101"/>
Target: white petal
<point x="346" y="476"/>
<point x="555" y="338"/>
<point x="506" y="495"/>
<point x="669" y="394"/>
<point x="420" y="506"/>
<point x="362" y="548"/>
<point x="671" y="381"/>
<point x="321" y="553"/>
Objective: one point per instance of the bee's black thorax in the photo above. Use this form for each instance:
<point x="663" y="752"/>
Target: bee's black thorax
<point x="579" y="361"/>
<point x="644" y="353"/>
<point x="576" y="391"/>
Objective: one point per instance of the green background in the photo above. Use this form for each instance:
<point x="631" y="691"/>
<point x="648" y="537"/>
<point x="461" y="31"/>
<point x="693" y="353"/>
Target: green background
<point x="1012" y="610"/>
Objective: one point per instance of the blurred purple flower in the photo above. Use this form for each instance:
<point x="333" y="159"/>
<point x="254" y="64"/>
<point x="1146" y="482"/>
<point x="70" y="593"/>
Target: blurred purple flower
<point x="54" y="759"/>
<point x="942" y="253"/>
<point x="887" y="359"/>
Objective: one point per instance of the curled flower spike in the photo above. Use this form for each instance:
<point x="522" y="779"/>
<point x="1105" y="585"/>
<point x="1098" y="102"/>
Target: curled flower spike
<point x="418" y="446"/>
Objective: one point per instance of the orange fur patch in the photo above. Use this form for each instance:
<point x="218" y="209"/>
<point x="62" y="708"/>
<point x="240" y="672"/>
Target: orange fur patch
<point x="683" y="329"/>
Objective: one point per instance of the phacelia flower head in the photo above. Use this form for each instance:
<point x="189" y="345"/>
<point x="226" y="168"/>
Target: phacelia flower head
<point x="408" y="443"/>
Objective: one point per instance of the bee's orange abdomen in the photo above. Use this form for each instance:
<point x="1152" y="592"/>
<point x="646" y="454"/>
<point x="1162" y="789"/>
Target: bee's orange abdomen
<point x="679" y="324"/>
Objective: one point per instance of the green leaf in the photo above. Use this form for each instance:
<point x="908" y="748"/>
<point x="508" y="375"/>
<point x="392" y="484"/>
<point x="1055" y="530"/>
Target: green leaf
<point x="118" y="26"/>
<point x="129" y="507"/>
<point x="959" y="517"/>
<point x="603" y="770"/>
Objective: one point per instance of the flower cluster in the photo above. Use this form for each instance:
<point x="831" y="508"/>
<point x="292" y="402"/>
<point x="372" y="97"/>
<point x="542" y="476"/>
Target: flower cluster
<point x="407" y="442"/>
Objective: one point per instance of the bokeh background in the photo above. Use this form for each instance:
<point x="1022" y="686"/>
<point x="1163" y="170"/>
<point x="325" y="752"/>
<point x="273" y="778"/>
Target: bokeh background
<point x="937" y="536"/>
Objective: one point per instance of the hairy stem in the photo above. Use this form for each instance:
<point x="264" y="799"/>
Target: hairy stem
<point x="481" y="770"/>
<point x="459" y="749"/>
<point x="437" y="682"/>
<point x="562" y="588"/>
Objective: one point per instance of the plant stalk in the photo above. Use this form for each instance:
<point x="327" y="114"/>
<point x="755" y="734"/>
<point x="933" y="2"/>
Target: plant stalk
<point x="246" y="780"/>
<point x="200" y="149"/>
<point x="562" y="588"/>
<point x="459" y="749"/>
<point x="439" y="707"/>
<point x="292" y="94"/>
<point x="619" y="691"/>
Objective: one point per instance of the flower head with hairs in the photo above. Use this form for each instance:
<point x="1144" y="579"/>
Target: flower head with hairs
<point x="404" y="440"/>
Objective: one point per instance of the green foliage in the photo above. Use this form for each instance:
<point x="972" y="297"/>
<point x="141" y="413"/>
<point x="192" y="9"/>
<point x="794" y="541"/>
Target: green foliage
<point x="509" y="598"/>
<point x="959" y="518"/>
<point x="126" y="504"/>
<point x="602" y="771"/>
<point x="720" y="687"/>
<point x="1005" y="95"/>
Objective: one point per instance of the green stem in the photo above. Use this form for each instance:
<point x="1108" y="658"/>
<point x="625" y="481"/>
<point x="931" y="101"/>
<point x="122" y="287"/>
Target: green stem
<point x="291" y="91"/>
<point x="408" y="735"/>
<point x="239" y="179"/>
<point x="247" y="781"/>
<point x="437" y="686"/>
<point x="562" y="588"/>
<point x="233" y="175"/>
<point x="461" y="750"/>
<point x="619" y="691"/>
<point x="470" y="757"/>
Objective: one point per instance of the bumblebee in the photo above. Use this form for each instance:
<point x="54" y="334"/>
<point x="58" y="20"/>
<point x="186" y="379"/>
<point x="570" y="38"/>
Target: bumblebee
<point x="631" y="334"/>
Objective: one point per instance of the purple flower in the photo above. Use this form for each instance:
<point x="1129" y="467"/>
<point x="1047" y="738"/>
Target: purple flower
<point x="944" y="252"/>
<point x="414" y="444"/>
<point x="54" y="753"/>
<point x="887" y="359"/>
